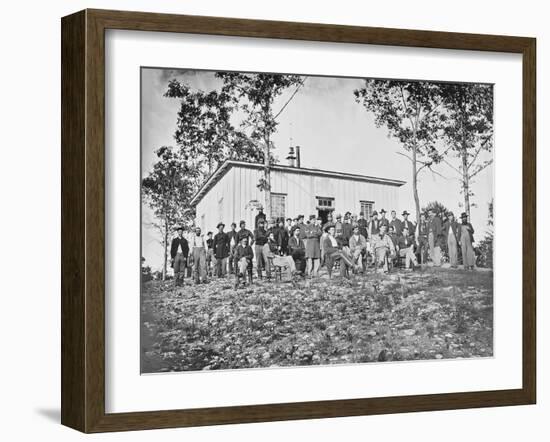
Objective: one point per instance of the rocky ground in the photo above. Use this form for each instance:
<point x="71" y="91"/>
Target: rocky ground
<point x="428" y="314"/>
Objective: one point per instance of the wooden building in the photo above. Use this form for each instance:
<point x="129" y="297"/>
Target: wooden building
<point x="231" y="193"/>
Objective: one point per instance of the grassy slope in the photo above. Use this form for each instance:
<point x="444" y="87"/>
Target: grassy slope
<point x="436" y="313"/>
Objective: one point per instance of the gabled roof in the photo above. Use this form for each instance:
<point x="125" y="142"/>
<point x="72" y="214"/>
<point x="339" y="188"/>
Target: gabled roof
<point x="228" y="164"/>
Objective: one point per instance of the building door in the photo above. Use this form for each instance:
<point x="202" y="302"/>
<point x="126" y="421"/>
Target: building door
<point x="323" y="213"/>
<point x="325" y="205"/>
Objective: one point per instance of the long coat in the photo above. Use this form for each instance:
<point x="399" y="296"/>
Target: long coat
<point x="397" y="225"/>
<point x="313" y="247"/>
<point x="176" y="242"/>
<point x="221" y="245"/>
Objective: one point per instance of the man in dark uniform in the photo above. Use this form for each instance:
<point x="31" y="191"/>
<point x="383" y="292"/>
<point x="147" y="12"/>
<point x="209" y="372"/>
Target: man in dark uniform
<point x="259" y="216"/>
<point x="406" y="222"/>
<point x="422" y="237"/>
<point x="221" y="250"/>
<point x="383" y="221"/>
<point x="396" y="223"/>
<point x="362" y="223"/>
<point x="244" y="232"/>
<point x="281" y="237"/>
<point x="260" y="238"/>
<point x="179" y="252"/>
<point x="297" y="249"/>
<point x="434" y="238"/>
<point x="302" y="226"/>
<point x="374" y="224"/>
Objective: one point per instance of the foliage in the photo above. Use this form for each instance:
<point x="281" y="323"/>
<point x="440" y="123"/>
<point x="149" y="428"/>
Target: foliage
<point x="412" y="114"/>
<point x="167" y="190"/>
<point x="204" y="132"/>
<point x="255" y="94"/>
<point x="439" y="209"/>
<point x="146" y="274"/>
<point x="468" y="131"/>
<point x="484" y="249"/>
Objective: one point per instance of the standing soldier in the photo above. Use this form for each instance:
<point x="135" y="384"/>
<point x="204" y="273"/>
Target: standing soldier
<point x="396" y="223"/>
<point x="260" y="238"/>
<point x="198" y="252"/>
<point x="363" y="225"/>
<point x="422" y="237"/>
<point x="466" y="243"/>
<point x="451" y="234"/>
<point x="406" y="222"/>
<point x="383" y="221"/>
<point x="434" y="238"/>
<point x="179" y="252"/>
<point x="374" y="224"/>
<point x="233" y="242"/>
<point x="221" y="250"/>
<point x="313" y="248"/>
<point x="259" y="216"/>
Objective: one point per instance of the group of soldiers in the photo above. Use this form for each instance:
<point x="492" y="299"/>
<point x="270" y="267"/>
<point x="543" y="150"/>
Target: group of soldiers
<point x="301" y="247"/>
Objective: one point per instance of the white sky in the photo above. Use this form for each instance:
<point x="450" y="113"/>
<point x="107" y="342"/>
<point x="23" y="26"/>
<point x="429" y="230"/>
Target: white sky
<point x="334" y="132"/>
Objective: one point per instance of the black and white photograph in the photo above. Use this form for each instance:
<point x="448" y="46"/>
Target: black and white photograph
<point x="299" y="220"/>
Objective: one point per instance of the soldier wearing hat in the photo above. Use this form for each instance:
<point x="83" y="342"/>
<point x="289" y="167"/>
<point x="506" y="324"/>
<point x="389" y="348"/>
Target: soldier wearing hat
<point x="221" y="246"/>
<point x="312" y="245"/>
<point x="451" y="233"/>
<point x="244" y="232"/>
<point x="421" y="235"/>
<point x="260" y="239"/>
<point x="406" y="222"/>
<point x="302" y="227"/>
<point x="260" y="215"/>
<point x="396" y="223"/>
<point x="466" y="242"/>
<point x="382" y="220"/>
<point x="179" y="252"/>
<point x="374" y="224"/>
<point x="198" y="248"/>
<point x="363" y="225"/>
<point x="434" y="237"/>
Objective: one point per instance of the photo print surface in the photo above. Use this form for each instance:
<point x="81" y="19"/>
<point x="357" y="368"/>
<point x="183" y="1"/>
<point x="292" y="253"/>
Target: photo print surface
<point x="299" y="220"/>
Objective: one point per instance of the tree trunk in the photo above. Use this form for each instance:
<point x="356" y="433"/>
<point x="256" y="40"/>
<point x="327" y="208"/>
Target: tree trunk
<point x="165" y="263"/>
<point x="267" y="178"/>
<point x="415" y="185"/>
<point x="465" y="181"/>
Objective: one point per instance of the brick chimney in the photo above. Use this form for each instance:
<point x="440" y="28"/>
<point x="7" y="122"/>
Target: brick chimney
<point x="291" y="157"/>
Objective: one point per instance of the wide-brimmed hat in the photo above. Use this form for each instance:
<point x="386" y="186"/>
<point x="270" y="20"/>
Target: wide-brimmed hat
<point x="463" y="215"/>
<point x="405" y="213"/>
<point x="220" y="224"/>
<point x="383" y="211"/>
<point x="300" y="217"/>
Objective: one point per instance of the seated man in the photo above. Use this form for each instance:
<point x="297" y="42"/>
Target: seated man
<point x="297" y="249"/>
<point x="333" y="253"/>
<point x="383" y="248"/>
<point x="357" y="246"/>
<point x="243" y="257"/>
<point x="271" y="249"/>
<point x="406" y="248"/>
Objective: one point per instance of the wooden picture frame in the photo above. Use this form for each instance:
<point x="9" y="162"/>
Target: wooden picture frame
<point x="83" y="220"/>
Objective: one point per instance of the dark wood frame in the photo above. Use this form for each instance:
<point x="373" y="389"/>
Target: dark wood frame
<point x="83" y="220"/>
